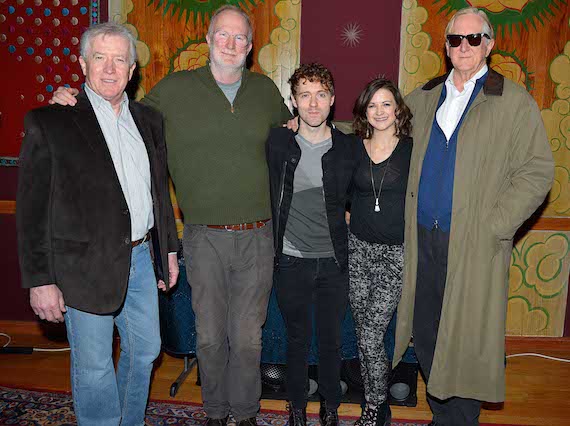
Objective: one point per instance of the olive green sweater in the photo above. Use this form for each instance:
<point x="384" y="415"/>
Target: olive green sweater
<point x="216" y="153"/>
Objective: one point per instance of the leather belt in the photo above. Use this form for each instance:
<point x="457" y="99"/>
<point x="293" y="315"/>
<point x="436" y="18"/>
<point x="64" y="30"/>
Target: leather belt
<point x="241" y="226"/>
<point x="142" y="240"/>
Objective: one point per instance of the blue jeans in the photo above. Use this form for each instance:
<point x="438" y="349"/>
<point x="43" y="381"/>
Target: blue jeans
<point x="102" y="397"/>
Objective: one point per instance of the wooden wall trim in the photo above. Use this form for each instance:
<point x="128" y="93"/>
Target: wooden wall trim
<point x="518" y="344"/>
<point x="7" y="207"/>
<point x="551" y="224"/>
<point x="514" y="344"/>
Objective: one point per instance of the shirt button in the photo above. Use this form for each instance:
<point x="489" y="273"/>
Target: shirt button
<point x="126" y="212"/>
<point x="127" y="240"/>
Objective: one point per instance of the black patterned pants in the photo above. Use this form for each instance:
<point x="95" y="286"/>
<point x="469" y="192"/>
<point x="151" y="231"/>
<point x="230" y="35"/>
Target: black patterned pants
<point x="375" y="288"/>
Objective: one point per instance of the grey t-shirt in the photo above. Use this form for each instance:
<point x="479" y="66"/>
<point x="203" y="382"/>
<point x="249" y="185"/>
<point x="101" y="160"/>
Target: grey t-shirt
<point x="307" y="230"/>
<point x="230" y="90"/>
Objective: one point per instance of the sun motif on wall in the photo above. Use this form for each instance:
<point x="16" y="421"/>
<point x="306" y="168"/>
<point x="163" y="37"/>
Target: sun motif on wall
<point x="510" y="14"/>
<point x="195" y="8"/>
<point x="351" y="34"/>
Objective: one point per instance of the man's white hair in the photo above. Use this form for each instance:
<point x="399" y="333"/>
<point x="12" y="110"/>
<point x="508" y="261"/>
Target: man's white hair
<point x="104" y="29"/>
<point x="487" y="27"/>
<point x="235" y="9"/>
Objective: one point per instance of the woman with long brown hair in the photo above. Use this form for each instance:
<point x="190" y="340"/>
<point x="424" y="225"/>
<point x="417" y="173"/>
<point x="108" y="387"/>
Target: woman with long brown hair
<point x="376" y="252"/>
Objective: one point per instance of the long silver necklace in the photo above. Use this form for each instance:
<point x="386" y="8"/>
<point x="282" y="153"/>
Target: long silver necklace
<point x="377" y="195"/>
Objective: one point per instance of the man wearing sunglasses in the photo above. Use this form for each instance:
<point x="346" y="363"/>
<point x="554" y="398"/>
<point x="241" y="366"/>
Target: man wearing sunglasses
<point x="481" y="165"/>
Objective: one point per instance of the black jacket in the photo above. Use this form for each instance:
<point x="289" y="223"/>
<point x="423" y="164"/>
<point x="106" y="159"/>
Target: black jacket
<point x="339" y="163"/>
<point x="73" y="222"/>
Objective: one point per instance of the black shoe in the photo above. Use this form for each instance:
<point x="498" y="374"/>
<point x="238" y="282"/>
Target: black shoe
<point x="328" y="416"/>
<point x="216" y="422"/>
<point x="252" y="421"/>
<point x="368" y="417"/>
<point x="297" y="416"/>
<point x="384" y="415"/>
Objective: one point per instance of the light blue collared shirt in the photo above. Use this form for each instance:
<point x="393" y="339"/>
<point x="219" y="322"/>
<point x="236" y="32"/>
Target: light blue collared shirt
<point x="130" y="159"/>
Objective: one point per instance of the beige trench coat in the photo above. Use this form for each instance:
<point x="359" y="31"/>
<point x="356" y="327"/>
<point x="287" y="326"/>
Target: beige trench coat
<point x="503" y="171"/>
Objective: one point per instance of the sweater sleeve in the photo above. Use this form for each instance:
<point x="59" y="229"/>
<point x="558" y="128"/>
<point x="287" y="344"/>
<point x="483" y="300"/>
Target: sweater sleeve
<point x="282" y="111"/>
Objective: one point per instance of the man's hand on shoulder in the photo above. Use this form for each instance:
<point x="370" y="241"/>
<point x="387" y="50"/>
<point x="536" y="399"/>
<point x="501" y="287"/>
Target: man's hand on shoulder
<point x="64" y="96"/>
<point x="47" y="302"/>
<point x="293" y="124"/>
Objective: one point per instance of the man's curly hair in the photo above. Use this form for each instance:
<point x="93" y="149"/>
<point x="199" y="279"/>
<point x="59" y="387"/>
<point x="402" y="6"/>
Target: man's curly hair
<point x="312" y="72"/>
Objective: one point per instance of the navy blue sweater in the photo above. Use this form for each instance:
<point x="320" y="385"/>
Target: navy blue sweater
<point x="435" y="196"/>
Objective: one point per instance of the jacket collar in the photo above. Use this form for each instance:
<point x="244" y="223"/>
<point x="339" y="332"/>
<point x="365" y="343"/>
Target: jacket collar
<point x="493" y="85"/>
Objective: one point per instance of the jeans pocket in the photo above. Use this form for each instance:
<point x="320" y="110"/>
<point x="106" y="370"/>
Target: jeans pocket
<point x="288" y="262"/>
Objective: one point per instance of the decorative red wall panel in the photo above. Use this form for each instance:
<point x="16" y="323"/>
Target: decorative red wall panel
<point x="39" y="50"/>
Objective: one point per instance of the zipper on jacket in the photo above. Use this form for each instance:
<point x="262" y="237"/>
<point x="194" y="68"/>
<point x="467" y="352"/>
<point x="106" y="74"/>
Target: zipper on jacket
<point x="436" y="223"/>
<point x="328" y="223"/>
<point x="281" y="193"/>
<point x="326" y="212"/>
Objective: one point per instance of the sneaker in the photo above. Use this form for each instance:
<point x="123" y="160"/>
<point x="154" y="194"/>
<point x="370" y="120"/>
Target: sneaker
<point x="252" y="421"/>
<point x="297" y="416"/>
<point x="216" y="422"/>
<point x="328" y="416"/>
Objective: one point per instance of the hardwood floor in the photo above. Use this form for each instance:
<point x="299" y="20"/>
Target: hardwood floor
<point x="538" y="390"/>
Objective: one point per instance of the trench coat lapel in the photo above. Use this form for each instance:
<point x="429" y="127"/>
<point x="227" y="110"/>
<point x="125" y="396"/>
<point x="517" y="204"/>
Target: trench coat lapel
<point x="421" y="140"/>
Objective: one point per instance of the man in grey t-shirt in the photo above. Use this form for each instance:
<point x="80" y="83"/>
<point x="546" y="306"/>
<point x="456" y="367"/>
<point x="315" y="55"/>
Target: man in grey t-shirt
<point x="309" y="176"/>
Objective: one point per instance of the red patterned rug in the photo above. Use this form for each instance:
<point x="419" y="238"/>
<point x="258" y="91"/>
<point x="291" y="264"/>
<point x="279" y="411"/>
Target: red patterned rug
<point x="38" y="408"/>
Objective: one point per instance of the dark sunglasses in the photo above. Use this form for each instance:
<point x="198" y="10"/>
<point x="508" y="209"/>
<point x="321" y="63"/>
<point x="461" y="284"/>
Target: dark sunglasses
<point x="454" y="40"/>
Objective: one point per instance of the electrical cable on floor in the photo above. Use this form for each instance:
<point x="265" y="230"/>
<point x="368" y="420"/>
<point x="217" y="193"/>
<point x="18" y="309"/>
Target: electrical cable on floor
<point x="52" y="349"/>
<point x="8" y="337"/>
<point x="26" y="350"/>
<point x="539" y="356"/>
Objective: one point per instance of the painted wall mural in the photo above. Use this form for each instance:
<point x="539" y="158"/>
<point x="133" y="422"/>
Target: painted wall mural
<point x="532" y="49"/>
<point x="538" y="282"/>
<point x="171" y="37"/>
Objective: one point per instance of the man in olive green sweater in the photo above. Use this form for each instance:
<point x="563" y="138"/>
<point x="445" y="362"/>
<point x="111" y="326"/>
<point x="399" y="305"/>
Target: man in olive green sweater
<point x="217" y="119"/>
<point x="216" y="157"/>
